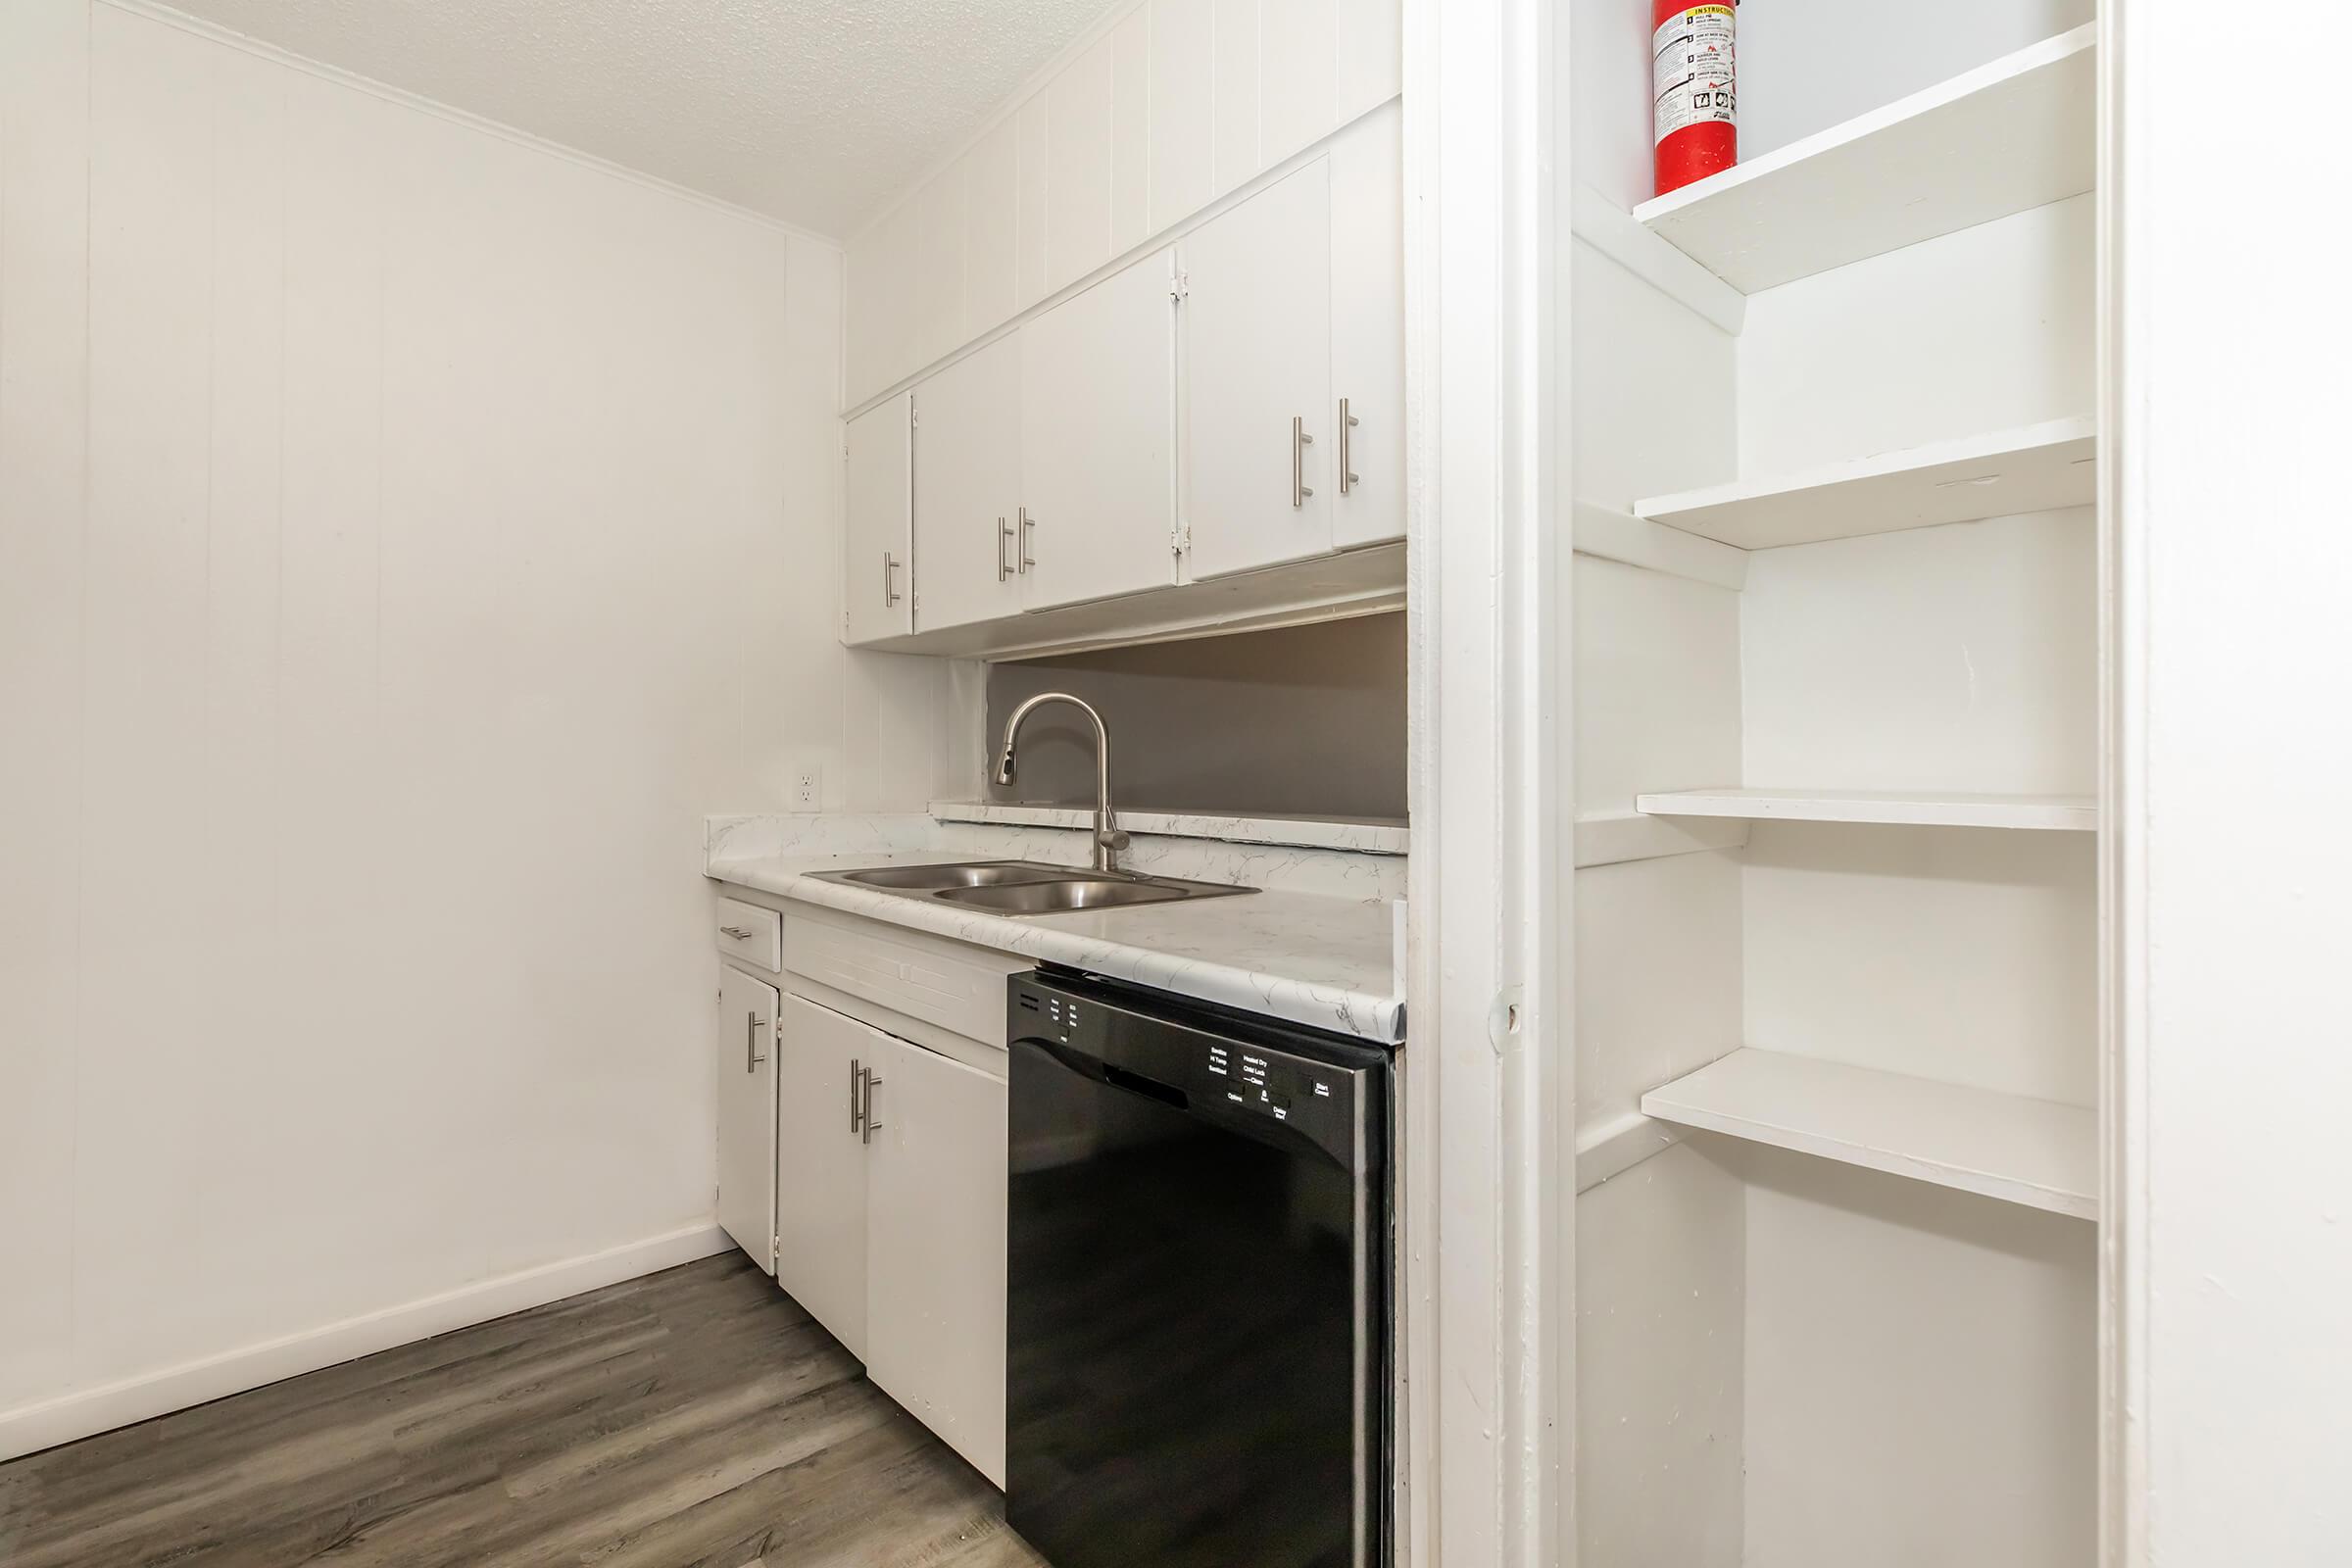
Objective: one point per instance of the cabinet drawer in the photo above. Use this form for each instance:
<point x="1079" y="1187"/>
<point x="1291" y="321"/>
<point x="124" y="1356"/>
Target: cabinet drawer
<point x="960" y="990"/>
<point x="749" y="933"/>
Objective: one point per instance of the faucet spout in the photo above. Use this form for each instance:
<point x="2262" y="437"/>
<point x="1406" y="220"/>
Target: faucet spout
<point x="1109" y="840"/>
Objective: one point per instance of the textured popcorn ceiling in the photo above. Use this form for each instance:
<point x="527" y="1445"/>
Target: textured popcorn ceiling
<point x="814" y="110"/>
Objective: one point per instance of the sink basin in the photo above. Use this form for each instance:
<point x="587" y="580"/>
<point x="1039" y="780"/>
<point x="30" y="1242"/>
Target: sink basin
<point x="1072" y="893"/>
<point x="934" y="878"/>
<point x="1026" y="887"/>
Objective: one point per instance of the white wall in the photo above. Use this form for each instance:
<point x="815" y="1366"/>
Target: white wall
<point x="1920" y="1387"/>
<point x="407" y="534"/>
<point x="2234" y="745"/>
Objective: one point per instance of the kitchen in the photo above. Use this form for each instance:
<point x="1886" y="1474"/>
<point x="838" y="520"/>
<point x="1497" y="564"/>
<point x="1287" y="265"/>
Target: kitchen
<point x="737" y="739"/>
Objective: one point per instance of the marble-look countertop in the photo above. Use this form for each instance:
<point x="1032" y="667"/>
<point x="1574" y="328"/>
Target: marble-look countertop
<point x="1310" y="958"/>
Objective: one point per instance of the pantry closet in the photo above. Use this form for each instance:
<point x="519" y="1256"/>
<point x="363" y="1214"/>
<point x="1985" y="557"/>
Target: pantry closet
<point x="1829" y="459"/>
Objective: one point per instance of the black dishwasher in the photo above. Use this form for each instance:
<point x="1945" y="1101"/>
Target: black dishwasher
<point x="1198" y="1320"/>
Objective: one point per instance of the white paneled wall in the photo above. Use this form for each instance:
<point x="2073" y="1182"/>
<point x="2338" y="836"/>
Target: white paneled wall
<point x="407" y="534"/>
<point x="1169" y="106"/>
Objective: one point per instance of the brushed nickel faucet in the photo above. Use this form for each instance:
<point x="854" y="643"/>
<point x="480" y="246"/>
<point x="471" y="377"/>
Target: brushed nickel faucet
<point x="1109" y="840"/>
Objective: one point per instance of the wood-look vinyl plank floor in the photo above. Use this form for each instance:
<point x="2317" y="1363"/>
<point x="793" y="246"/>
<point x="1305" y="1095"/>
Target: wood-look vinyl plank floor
<point x="696" y="1418"/>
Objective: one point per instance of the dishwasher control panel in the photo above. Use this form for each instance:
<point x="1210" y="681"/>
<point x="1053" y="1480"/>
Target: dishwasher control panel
<point x="1200" y="1061"/>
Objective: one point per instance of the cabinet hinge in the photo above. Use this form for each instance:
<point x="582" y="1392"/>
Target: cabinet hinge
<point x="1180" y="287"/>
<point x="914" y="416"/>
<point x="1180" y="538"/>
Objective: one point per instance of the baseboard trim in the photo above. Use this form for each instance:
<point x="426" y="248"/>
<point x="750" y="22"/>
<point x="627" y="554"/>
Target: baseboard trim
<point x="30" y="1428"/>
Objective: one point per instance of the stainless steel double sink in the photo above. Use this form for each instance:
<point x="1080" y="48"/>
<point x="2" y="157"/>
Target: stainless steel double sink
<point x="1027" y="887"/>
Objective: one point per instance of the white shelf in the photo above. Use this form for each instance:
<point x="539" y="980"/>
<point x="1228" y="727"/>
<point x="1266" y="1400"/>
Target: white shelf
<point x="2064" y="813"/>
<point x="2034" y="469"/>
<point x="2005" y="137"/>
<point x="2038" y="1152"/>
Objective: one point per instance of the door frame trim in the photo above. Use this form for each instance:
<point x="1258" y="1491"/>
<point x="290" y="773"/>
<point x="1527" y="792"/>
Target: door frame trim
<point x="1484" y="1317"/>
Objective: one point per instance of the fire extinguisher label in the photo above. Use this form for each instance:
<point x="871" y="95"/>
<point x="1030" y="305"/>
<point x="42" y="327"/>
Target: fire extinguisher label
<point x="1692" y="70"/>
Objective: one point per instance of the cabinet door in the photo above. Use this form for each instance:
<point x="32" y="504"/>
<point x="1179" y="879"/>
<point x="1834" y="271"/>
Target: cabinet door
<point x="877" y="542"/>
<point x="820" y="1165"/>
<point x="747" y="1113"/>
<point x="1367" y="330"/>
<point x="935" y="1277"/>
<point x="967" y="489"/>
<point x="1257" y="368"/>
<point x="1097" y="440"/>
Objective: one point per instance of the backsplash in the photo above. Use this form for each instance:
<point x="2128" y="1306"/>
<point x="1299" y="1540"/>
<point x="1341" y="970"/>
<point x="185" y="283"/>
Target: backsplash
<point x="1302" y="721"/>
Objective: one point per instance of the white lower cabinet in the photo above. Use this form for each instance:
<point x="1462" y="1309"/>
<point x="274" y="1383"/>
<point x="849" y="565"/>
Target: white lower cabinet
<point x="935" y="1249"/>
<point x="890" y="1217"/>
<point x="820" y="1165"/>
<point x="747" y="1111"/>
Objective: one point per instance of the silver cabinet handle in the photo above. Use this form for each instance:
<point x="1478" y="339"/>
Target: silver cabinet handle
<point x="1028" y="532"/>
<point x="753" y="1023"/>
<point x="1300" y="441"/>
<point x="1004" y="561"/>
<point x="1348" y="422"/>
<point x="857" y="1110"/>
<point x="890" y="577"/>
<point x="741" y="933"/>
<point x="871" y="1126"/>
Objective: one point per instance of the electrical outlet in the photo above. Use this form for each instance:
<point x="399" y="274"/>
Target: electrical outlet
<point x="808" y="788"/>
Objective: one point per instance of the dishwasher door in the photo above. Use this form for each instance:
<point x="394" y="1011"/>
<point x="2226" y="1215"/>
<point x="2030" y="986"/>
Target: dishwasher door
<point x="1198" y="1323"/>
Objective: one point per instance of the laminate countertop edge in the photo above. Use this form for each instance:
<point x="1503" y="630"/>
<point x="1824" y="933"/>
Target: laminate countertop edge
<point x="1307" y="958"/>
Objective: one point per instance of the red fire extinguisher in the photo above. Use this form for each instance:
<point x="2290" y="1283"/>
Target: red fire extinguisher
<point x="1696" y="123"/>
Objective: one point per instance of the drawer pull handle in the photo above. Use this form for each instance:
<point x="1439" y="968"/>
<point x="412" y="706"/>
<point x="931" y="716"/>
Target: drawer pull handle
<point x="871" y="1126"/>
<point x="752" y="1024"/>
<point x="741" y="933"/>
<point x="857" y="1110"/>
<point x="1300" y="441"/>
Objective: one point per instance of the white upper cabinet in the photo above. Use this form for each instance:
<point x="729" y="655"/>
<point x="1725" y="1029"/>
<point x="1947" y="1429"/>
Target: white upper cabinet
<point x="1098" y="464"/>
<point x="967" y="489"/>
<point x="1257" y="367"/>
<point x="747" y="1113"/>
<point x="1230" y="403"/>
<point x="1367" y="332"/>
<point x="1180" y="103"/>
<point x="877" y="545"/>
